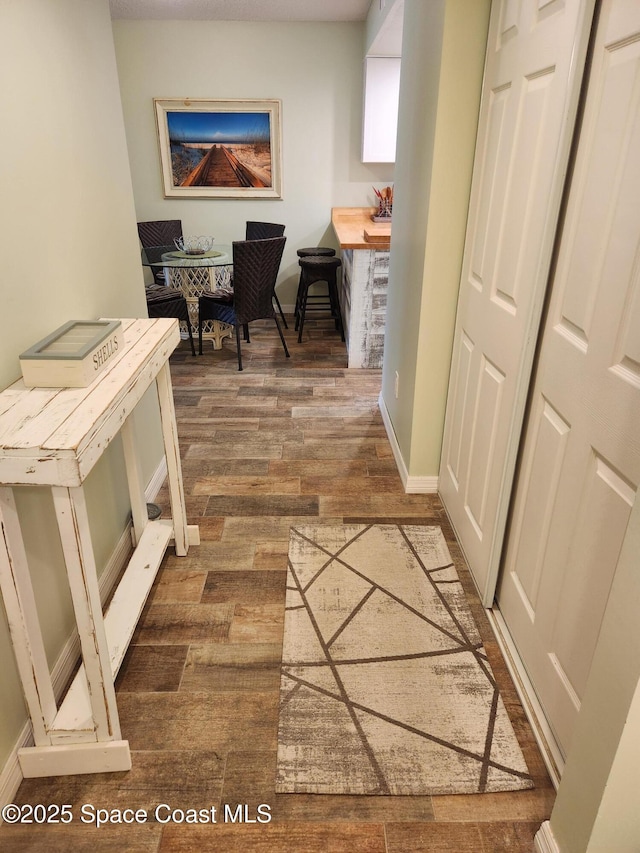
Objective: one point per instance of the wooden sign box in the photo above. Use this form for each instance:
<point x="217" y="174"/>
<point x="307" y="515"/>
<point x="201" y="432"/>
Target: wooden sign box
<point x="72" y="356"/>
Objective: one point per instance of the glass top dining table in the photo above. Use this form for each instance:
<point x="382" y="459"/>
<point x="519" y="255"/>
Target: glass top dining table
<point x="195" y="275"/>
<point x="172" y="258"/>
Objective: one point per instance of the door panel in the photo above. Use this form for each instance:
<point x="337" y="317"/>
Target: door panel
<point x="580" y="465"/>
<point x="549" y="445"/>
<point x="458" y="456"/>
<point x="535" y="55"/>
<point x="594" y="548"/>
<point x="486" y="421"/>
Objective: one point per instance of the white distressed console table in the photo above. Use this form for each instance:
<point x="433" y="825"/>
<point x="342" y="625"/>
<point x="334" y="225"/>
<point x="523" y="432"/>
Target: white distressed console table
<point x="54" y="437"/>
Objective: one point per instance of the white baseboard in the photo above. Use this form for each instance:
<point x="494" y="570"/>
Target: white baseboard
<point x="11" y="775"/>
<point x="421" y="485"/>
<point x="393" y="441"/>
<point x="412" y="485"/>
<point x="155" y="483"/>
<point x="64" y="667"/>
<point x="544" y="840"/>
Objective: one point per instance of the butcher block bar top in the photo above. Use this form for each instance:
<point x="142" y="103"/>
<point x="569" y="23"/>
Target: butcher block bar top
<point x="355" y="229"/>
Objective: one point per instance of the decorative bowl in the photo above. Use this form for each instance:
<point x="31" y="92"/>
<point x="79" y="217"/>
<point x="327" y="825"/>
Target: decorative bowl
<point x="194" y="245"/>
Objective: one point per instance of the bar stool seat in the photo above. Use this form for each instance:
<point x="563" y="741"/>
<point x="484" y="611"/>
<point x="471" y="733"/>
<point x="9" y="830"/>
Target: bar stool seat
<point x="315" y="251"/>
<point x="313" y="269"/>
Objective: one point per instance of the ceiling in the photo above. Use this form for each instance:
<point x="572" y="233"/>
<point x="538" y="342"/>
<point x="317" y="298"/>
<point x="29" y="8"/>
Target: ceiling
<point x="242" y="10"/>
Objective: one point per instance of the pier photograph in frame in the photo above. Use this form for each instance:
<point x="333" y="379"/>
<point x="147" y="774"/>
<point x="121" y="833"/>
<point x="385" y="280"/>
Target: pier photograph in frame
<point x="219" y="149"/>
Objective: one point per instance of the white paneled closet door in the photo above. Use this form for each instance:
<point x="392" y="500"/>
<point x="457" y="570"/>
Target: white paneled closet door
<point x="580" y="466"/>
<point x="535" y="61"/>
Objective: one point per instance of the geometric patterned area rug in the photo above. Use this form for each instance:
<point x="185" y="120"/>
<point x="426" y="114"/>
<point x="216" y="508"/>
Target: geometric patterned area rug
<point x="385" y="685"/>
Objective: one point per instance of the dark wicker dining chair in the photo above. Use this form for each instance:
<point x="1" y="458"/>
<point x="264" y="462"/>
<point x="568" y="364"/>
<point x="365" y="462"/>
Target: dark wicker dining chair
<point x="159" y="233"/>
<point x="255" y="268"/>
<point x="262" y="231"/>
<point x="162" y="301"/>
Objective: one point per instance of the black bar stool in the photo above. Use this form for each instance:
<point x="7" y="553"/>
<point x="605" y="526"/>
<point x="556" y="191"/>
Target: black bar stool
<point x="317" y="268"/>
<point x="310" y="252"/>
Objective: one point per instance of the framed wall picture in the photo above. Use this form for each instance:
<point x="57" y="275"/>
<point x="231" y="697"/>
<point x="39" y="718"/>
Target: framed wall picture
<point x="220" y="149"/>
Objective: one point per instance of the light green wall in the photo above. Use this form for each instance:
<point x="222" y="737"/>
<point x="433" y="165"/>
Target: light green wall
<point x="417" y="117"/>
<point x="316" y="70"/>
<point x="461" y="70"/>
<point x="70" y="251"/>
<point x="442" y="64"/>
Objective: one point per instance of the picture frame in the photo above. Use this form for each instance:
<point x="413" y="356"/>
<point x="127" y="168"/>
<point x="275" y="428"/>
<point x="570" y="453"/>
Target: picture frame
<point x="220" y="148"/>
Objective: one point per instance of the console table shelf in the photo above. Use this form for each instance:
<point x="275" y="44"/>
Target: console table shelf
<point x="54" y="437"/>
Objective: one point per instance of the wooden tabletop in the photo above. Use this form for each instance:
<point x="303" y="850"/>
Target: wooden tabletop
<point x="54" y="436"/>
<point x="351" y="223"/>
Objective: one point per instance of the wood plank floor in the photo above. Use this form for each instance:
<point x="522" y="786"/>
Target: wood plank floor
<point x="286" y="440"/>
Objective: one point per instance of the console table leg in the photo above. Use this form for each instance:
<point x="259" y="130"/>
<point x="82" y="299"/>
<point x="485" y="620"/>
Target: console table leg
<point x="73" y="523"/>
<point x="19" y="600"/>
<point x="139" y="512"/>
<point x="174" y="467"/>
